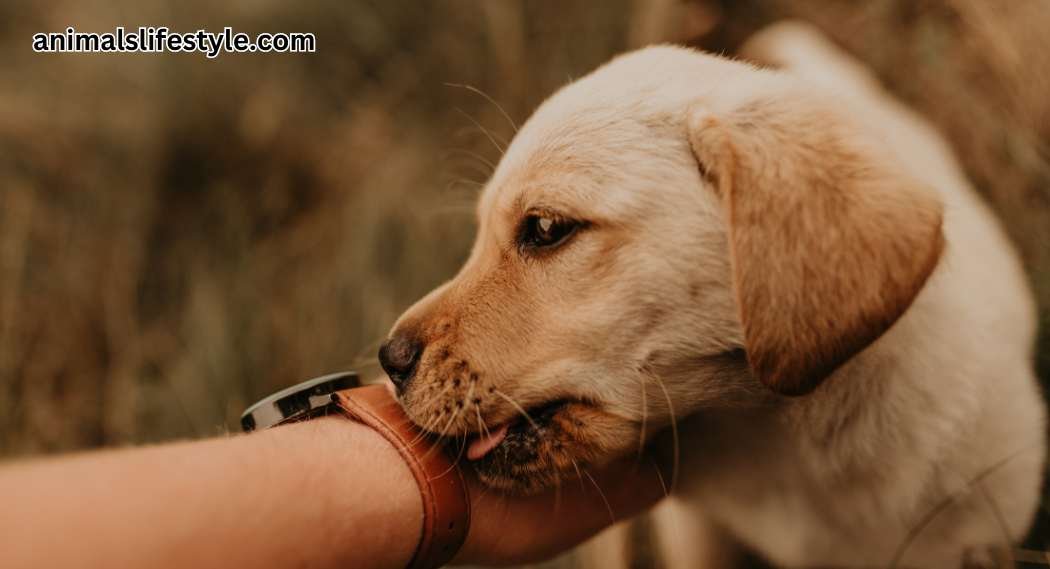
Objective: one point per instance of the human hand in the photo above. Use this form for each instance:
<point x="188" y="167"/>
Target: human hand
<point x="508" y="530"/>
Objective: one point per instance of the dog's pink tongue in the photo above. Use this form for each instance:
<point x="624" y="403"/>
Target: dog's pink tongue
<point x="481" y="446"/>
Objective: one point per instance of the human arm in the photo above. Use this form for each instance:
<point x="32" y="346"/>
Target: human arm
<point x="323" y="493"/>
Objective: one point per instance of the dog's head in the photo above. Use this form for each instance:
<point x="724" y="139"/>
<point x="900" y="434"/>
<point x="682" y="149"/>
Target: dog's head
<point x="673" y="232"/>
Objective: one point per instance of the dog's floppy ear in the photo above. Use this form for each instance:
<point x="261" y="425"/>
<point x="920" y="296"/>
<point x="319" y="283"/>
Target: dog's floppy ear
<point x="829" y="244"/>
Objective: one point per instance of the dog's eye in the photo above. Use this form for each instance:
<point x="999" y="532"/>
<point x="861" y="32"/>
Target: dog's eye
<point x="540" y="231"/>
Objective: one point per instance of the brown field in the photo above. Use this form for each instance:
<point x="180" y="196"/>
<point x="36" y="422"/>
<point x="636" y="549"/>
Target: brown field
<point x="179" y="236"/>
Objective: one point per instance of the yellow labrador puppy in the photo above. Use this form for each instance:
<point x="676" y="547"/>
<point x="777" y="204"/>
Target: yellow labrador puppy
<point x="785" y="266"/>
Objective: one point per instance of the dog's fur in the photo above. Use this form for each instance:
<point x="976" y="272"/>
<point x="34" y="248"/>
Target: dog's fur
<point x="787" y="261"/>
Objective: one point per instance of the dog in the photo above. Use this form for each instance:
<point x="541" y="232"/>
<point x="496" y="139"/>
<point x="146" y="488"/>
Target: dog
<point x="780" y="275"/>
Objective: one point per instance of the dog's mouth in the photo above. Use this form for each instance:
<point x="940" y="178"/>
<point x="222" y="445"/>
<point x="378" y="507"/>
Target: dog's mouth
<point x="549" y="443"/>
<point x="480" y="444"/>
<point x="514" y="431"/>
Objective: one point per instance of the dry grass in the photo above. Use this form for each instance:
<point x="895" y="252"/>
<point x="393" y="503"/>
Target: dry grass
<point x="179" y="236"/>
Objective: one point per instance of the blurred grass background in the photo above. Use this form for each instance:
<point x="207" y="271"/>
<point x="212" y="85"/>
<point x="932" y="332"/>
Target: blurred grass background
<point x="180" y="236"/>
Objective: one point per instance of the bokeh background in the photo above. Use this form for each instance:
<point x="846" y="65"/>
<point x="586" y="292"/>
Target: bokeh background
<point x="180" y="236"/>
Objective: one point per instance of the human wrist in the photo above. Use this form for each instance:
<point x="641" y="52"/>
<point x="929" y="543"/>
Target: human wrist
<point x="442" y="488"/>
<point x="366" y="509"/>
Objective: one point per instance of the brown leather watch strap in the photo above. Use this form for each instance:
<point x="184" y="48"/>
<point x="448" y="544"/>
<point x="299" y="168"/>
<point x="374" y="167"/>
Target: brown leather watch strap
<point x="446" y="503"/>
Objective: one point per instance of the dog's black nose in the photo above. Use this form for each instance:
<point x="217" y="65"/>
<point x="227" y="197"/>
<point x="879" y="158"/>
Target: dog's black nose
<point x="399" y="356"/>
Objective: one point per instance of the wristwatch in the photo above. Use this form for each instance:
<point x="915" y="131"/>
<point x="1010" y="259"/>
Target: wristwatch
<point x="446" y="503"/>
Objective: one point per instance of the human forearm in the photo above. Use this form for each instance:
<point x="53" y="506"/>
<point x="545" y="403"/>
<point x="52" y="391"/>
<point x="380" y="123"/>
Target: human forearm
<point x="278" y="498"/>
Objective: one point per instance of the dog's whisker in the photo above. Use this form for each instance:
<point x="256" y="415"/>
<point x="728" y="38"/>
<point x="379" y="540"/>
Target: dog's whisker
<point x="579" y="473"/>
<point x="452" y="189"/>
<point x="645" y="415"/>
<point x="435" y="403"/>
<point x="472" y="168"/>
<point x="557" y="492"/>
<point x="437" y="398"/>
<point x="518" y="407"/>
<point x="674" y="432"/>
<point x="464" y="181"/>
<point x="431" y="427"/>
<point x="468" y="400"/>
<point x="423" y="433"/>
<point x="440" y="442"/>
<point x="366" y="355"/>
<point x="474" y="155"/>
<point x="468" y="169"/>
<point x="453" y="417"/>
<point x="997" y="513"/>
<point x="441" y="435"/>
<point x="430" y="423"/>
<point x="993" y="508"/>
<point x="663" y="483"/>
<point x="459" y="456"/>
<point x="483" y="429"/>
<point x="608" y="506"/>
<point x="463" y="132"/>
<point x="474" y="89"/>
<point x="450" y="206"/>
<point x="462" y="409"/>
<point x="448" y="424"/>
<point x="484" y="130"/>
<point x="449" y="209"/>
<point x="950" y="499"/>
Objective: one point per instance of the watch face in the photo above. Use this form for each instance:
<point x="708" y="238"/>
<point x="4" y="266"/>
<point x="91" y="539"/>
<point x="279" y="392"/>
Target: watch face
<point x="298" y="401"/>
